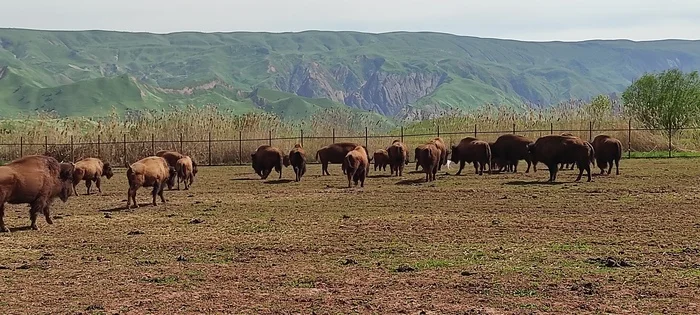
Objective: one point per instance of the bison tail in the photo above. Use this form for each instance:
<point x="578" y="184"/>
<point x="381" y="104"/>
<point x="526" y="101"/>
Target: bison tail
<point x="619" y="150"/>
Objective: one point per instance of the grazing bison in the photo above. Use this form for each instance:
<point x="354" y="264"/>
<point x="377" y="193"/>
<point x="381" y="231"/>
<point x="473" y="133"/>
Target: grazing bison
<point x="297" y="159"/>
<point x="509" y="149"/>
<point x="334" y="154"/>
<point x="398" y="157"/>
<point x="36" y="180"/>
<point x="265" y="159"/>
<point x="152" y="171"/>
<point x="607" y="150"/>
<point x="429" y="156"/>
<point x="89" y="170"/>
<point x="185" y="169"/>
<point x="471" y="150"/>
<point x="553" y="150"/>
<point x="357" y="166"/>
<point x="172" y="157"/>
<point x="381" y="159"/>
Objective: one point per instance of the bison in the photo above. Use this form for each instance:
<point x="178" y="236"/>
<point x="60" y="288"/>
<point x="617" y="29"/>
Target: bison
<point x="152" y="171"/>
<point x="509" y="149"/>
<point x="607" y="150"/>
<point x="36" y="180"/>
<point x="440" y="144"/>
<point x="398" y="157"/>
<point x="471" y="150"/>
<point x="265" y="159"/>
<point x="429" y="156"/>
<point x="553" y="150"/>
<point x="357" y="166"/>
<point x="297" y="159"/>
<point x="172" y="157"/>
<point x="417" y="155"/>
<point x="89" y="170"/>
<point x="334" y="154"/>
<point x="185" y="169"/>
<point x="381" y="159"/>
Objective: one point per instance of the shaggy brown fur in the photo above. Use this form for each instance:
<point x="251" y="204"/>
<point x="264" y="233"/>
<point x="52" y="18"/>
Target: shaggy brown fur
<point x="440" y="144"/>
<point x="357" y="165"/>
<point x="36" y="180"/>
<point x="152" y="171"/>
<point x="429" y="156"/>
<point x="91" y="170"/>
<point x="509" y="149"/>
<point x="398" y="157"/>
<point x="172" y="157"/>
<point x="267" y="158"/>
<point x="297" y="159"/>
<point x="381" y="159"/>
<point x="470" y="150"/>
<point x="334" y="154"/>
<point x="185" y="171"/>
<point x="553" y="150"/>
<point x="608" y="150"/>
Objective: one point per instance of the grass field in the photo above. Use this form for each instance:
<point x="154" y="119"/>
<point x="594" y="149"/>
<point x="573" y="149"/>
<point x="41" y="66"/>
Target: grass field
<point x="502" y="243"/>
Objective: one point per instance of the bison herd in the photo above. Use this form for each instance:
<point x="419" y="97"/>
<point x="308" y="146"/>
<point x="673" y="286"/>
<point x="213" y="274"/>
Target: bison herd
<point x="38" y="179"/>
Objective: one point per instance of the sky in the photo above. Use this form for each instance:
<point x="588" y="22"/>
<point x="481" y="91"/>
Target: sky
<point x="533" y="20"/>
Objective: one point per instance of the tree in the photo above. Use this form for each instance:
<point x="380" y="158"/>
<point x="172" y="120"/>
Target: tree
<point x="669" y="100"/>
<point x="599" y="109"/>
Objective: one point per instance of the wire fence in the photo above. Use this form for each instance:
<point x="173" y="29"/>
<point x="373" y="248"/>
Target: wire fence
<point x="237" y="149"/>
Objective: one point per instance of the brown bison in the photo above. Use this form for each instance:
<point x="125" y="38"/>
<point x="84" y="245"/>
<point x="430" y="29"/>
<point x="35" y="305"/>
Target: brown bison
<point x="267" y="158"/>
<point x="357" y="166"/>
<point x="607" y="150"/>
<point x="297" y="159"/>
<point x="89" y="170"/>
<point x="471" y="150"/>
<point x="334" y="154"/>
<point x="509" y="149"/>
<point x="381" y="159"/>
<point x="417" y="155"/>
<point x="398" y="157"/>
<point x="185" y="169"/>
<point x="429" y="156"/>
<point x="152" y="171"/>
<point x="553" y="150"/>
<point x="440" y="144"/>
<point x="36" y="180"/>
<point x="172" y="157"/>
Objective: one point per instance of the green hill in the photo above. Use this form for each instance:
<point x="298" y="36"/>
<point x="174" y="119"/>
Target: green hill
<point x="395" y="74"/>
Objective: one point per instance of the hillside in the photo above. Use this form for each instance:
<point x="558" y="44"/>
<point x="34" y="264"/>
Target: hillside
<point x="395" y="74"/>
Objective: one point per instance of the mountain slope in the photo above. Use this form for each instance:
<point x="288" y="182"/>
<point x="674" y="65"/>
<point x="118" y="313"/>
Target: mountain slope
<point x="392" y="74"/>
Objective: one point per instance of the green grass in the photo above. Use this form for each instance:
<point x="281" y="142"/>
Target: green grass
<point x="661" y="154"/>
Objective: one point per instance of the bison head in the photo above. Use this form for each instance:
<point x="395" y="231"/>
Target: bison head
<point x="194" y="168"/>
<point x="285" y="161"/>
<point x="172" y="173"/>
<point x="65" y="177"/>
<point x="454" y="156"/>
<point x="107" y="170"/>
<point x="256" y="166"/>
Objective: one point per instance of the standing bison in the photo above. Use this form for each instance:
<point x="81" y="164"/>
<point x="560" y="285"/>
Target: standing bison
<point x="417" y="155"/>
<point x="428" y="156"/>
<point x="553" y="150"/>
<point x="334" y="154"/>
<point x="36" y="180"/>
<point x="398" y="157"/>
<point x="607" y="150"/>
<point x="172" y="157"/>
<point x="297" y="159"/>
<point x="440" y="144"/>
<point x="152" y="171"/>
<point x="509" y="149"/>
<point x="471" y="150"/>
<point x="357" y="166"/>
<point x="89" y="170"/>
<point x="185" y="169"/>
<point x="267" y="158"/>
<point x="381" y="159"/>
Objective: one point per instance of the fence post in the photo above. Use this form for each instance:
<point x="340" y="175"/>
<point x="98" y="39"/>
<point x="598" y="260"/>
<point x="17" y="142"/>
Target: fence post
<point x="181" y="143"/>
<point x="46" y="143"/>
<point x="438" y="131"/>
<point x="551" y="128"/>
<point x="99" y="149"/>
<point x="21" y="146"/>
<point x="513" y="128"/>
<point x="475" y="131"/>
<point x="629" y="139"/>
<point x="333" y="135"/>
<point x="72" y="152"/>
<point x="209" y="159"/>
<point x="124" y="153"/>
<point x="240" y="147"/>
<point x="366" y="140"/>
<point x="669" y="140"/>
<point x="301" y="133"/>
<point x="153" y="144"/>
<point x="401" y="134"/>
<point x="269" y="137"/>
<point x="590" y="131"/>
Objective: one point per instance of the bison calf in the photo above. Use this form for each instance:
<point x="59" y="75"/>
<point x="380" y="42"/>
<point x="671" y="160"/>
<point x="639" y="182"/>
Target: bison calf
<point x="357" y="166"/>
<point x="607" y="150"/>
<point x="152" y="171"/>
<point x="36" y="180"/>
<point x="297" y="159"/>
<point x="91" y="170"/>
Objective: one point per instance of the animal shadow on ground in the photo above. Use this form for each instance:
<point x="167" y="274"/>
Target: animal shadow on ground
<point x="279" y="181"/>
<point x="411" y="181"/>
<point x="124" y="208"/>
<point x="379" y="176"/>
<point x="19" y="229"/>
<point x="243" y="178"/>
<point x="526" y="183"/>
<point x="416" y="172"/>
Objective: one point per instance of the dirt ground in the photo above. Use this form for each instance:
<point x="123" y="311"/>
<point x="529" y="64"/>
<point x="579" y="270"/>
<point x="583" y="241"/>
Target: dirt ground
<point x="491" y="244"/>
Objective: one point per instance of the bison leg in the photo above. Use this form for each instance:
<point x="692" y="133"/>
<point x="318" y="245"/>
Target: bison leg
<point x="160" y="192"/>
<point x="400" y="170"/>
<point x="617" y="167"/>
<point x="610" y="167"/>
<point x="154" y="192"/>
<point x="47" y="212"/>
<point x="132" y="197"/>
<point x="528" y="166"/>
<point x="98" y="183"/>
<point x="461" y="167"/>
<point x="36" y="206"/>
<point x="349" y="179"/>
<point x="553" y="172"/>
<point x="476" y="167"/>
<point x="88" y="184"/>
<point x="75" y="192"/>
<point x="3" y="228"/>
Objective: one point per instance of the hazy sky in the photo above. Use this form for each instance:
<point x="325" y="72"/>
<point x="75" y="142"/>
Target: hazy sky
<point x="516" y="19"/>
